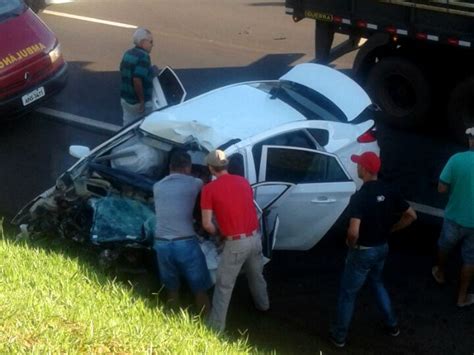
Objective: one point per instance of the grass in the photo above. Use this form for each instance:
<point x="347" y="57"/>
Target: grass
<point x="55" y="299"/>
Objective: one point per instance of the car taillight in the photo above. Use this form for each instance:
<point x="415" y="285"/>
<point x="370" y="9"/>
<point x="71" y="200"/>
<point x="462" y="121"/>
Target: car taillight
<point x="367" y="137"/>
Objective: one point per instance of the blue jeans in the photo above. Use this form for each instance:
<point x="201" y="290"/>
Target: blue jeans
<point x="452" y="234"/>
<point x="182" y="258"/>
<point x="362" y="265"/>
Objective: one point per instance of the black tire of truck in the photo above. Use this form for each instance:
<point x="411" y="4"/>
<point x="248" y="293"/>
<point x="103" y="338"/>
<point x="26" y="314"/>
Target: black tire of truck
<point x="461" y="109"/>
<point x="36" y="5"/>
<point x="399" y="87"/>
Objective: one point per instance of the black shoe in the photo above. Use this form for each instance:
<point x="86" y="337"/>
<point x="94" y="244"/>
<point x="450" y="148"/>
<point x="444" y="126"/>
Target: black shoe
<point x="393" y="331"/>
<point x="339" y="344"/>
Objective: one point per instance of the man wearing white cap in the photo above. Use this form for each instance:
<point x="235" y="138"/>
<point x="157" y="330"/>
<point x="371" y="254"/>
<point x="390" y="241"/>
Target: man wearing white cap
<point x="230" y="199"/>
<point x="457" y="179"/>
<point x="137" y="77"/>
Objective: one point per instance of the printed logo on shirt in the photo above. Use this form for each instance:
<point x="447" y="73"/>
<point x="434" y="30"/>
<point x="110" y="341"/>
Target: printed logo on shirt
<point x="380" y="198"/>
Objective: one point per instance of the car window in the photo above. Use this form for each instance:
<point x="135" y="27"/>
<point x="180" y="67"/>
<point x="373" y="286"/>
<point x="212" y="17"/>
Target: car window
<point x="302" y="166"/>
<point x="320" y="135"/>
<point x="289" y="139"/>
<point x="236" y="164"/>
<point x="136" y="153"/>
<point x="310" y="103"/>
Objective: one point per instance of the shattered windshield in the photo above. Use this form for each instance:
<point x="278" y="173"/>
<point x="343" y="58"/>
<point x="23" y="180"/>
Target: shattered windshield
<point x="306" y="101"/>
<point x="10" y="8"/>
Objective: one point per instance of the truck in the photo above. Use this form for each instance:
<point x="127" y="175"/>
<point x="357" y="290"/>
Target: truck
<point x="415" y="57"/>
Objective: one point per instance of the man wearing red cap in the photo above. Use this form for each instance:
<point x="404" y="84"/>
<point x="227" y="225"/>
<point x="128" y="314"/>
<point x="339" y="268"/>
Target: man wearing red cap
<point x="372" y="211"/>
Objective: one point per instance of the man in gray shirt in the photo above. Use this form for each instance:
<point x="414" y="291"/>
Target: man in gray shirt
<point x="176" y="245"/>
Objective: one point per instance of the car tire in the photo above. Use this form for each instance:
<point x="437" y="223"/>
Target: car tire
<point x="461" y="109"/>
<point x="399" y="87"/>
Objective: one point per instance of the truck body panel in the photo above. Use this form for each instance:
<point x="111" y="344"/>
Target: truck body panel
<point x="415" y="57"/>
<point x="430" y="17"/>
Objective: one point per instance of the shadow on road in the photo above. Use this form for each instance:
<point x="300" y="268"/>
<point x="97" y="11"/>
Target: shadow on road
<point x="96" y="95"/>
<point x="33" y="152"/>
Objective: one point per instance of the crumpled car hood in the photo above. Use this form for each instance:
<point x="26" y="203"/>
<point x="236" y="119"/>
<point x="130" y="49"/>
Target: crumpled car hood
<point x="182" y="132"/>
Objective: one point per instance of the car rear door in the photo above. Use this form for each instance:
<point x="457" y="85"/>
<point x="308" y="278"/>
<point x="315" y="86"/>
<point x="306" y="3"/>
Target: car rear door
<point x="321" y="191"/>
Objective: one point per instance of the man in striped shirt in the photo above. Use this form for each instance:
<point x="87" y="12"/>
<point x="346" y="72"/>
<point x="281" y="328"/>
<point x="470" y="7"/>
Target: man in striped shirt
<point x="137" y="76"/>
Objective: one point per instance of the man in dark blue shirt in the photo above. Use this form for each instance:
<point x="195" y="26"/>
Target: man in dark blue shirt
<point x="137" y="77"/>
<point x="372" y="211"/>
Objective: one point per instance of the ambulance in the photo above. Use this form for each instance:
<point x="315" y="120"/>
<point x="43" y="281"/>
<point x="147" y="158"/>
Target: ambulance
<point x="32" y="68"/>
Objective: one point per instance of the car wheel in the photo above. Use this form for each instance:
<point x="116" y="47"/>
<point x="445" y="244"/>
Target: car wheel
<point x="461" y="109"/>
<point x="401" y="90"/>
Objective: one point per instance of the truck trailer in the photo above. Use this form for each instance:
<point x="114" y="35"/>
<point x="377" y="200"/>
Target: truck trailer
<point x="415" y="58"/>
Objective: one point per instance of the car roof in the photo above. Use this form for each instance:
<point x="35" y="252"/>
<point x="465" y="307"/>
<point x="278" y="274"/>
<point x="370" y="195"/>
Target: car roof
<point x="237" y="111"/>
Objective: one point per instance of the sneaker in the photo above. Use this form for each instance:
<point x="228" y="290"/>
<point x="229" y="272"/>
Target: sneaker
<point x="393" y="331"/>
<point x="469" y="301"/>
<point x="337" y="343"/>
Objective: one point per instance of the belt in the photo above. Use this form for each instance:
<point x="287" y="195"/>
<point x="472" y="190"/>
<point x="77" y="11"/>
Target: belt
<point x="241" y="236"/>
<point x="175" y="239"/>
<point x="361" y="247"/>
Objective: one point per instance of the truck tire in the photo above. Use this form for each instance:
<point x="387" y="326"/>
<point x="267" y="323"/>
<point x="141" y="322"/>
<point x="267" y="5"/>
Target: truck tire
<point x="400" y="88"/>
<point x="36" y="5"/>
<point x="461" y="109"/>
<point x="324" y="36"/>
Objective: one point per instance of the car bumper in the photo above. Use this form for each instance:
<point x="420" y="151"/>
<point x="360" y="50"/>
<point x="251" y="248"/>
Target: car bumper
<point x="13" y="106"/>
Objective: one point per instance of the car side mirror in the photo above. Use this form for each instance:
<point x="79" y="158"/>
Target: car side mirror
<point x="79" y="151"/>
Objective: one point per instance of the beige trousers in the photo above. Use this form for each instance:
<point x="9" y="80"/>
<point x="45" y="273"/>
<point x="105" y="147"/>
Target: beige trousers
<point x="244" y="253"/>
<point x="130" y="112"/>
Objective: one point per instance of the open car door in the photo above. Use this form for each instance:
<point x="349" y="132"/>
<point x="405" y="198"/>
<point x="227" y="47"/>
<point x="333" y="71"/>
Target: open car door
<point x="321" y="191"/>
<point x="167" y="89"/>
<point x="268" y="218"/>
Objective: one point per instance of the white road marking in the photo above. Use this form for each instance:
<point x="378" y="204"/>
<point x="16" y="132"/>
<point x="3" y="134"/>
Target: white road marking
<point x="89" y="19"/>
<point x="432" y="211"/>
<point x="51" y="2"/>
<point x="112" y="128"/>
<point x="79" y="120"/>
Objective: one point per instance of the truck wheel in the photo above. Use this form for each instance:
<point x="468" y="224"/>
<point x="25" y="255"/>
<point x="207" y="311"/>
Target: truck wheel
<point x="461" y="109"/>
<point x="401" y="90"/>
<point x="36" y="5"/>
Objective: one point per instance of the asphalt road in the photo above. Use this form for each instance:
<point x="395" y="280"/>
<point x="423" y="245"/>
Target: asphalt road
<point x="208" y="43"/>
<point x="212" y="43"/>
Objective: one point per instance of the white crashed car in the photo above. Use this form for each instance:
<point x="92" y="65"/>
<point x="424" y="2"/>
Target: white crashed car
<point x="292" y="138"/>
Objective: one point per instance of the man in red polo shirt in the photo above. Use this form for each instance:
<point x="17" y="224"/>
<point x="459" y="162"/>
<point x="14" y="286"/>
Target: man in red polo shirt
<point x="230" y="198"/>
